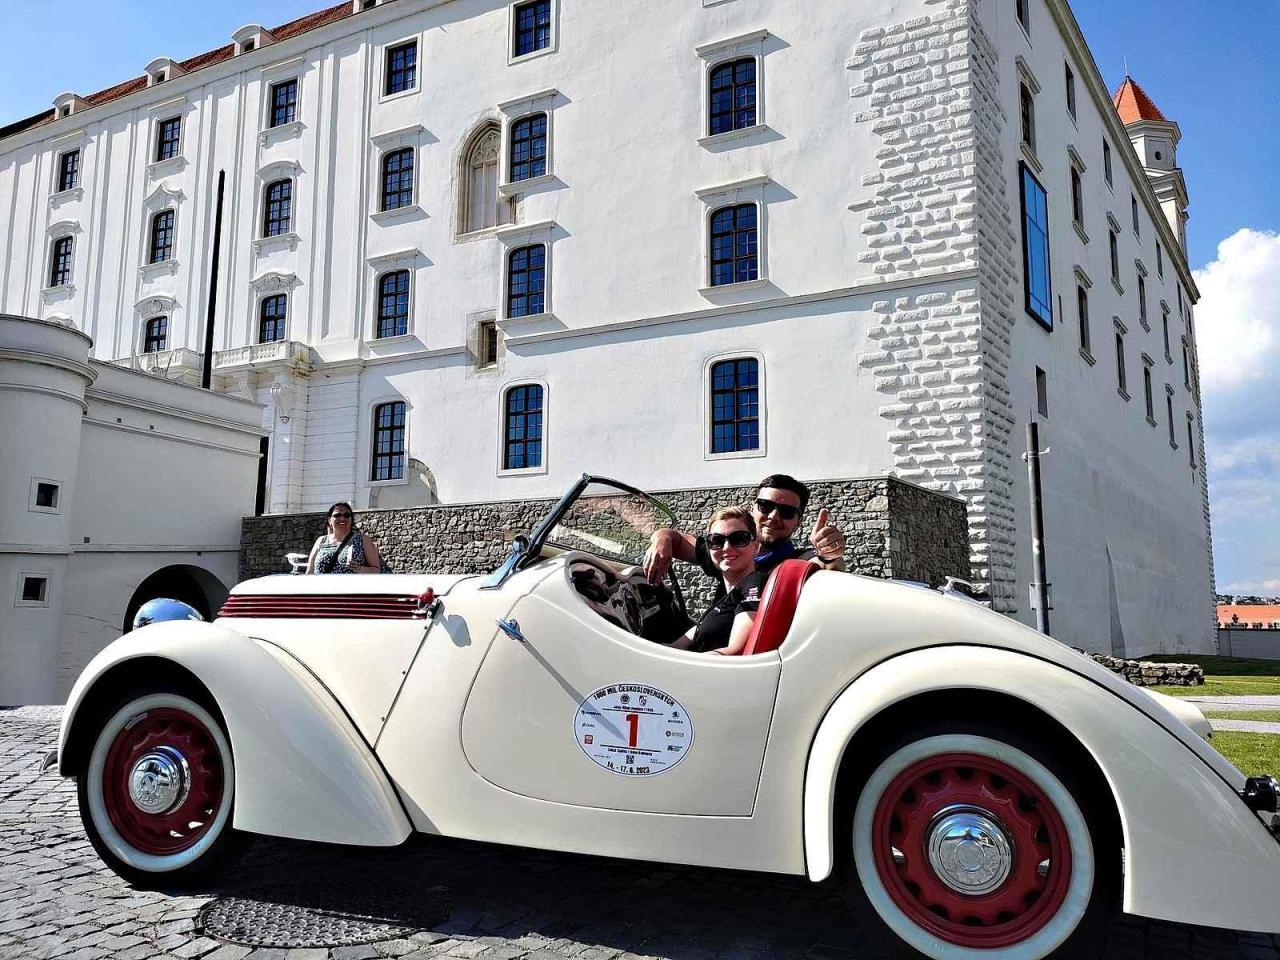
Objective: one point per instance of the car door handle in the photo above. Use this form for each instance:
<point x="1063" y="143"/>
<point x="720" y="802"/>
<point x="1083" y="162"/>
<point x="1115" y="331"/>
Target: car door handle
<point x="512" y="629"/>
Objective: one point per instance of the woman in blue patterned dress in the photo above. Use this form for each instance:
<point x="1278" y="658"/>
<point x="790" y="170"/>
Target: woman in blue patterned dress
<point x="343" y="548"/>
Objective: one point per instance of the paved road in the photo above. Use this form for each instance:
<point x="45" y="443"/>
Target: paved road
<point x="1227" y="702"/>
<point x="490" y="902"/>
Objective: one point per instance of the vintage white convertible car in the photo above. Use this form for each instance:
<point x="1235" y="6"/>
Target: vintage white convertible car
<point x="984" y="790"/>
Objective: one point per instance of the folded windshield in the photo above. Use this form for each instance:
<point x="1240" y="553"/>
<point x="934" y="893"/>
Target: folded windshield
<point x="610" y="522"/>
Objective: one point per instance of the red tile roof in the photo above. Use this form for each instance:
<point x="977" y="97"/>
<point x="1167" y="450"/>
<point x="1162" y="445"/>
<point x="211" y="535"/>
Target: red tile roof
<point x="1133" y="104"/>
<point x="311" y="21"/>
<point x="1249" y="613"/>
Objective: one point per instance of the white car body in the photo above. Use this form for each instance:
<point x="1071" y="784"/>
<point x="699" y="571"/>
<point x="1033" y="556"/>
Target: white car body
<point x="363" y="731"/>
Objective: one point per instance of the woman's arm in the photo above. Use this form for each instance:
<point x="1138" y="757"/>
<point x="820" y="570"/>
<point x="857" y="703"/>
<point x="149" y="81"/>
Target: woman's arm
<point x="373" y="563"/>
<point x="738" y="636"/>
<point x="685" y="640"/>
<point x="311" y="560"/>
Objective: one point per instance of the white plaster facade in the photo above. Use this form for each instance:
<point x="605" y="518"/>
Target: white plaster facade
<point x="887" y="316"/>
<point x="106" y="492"/>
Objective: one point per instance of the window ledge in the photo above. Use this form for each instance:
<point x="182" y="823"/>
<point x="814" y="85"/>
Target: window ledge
<point x="735" y="454"/>
<point x="392" y="340"/>
<point x="1152" y="421"/>
<point x="513" y="59"/>
<point x="1173" y="445"/>
<point x="1029" y="154"/>
<point x="1168" y="356"/>
<point x="162" y="168"/>
<point x="66" y="196"/>
<point x="518" y="186"/>
<point x="399" y="94"/>
<point x="757" y="284"/>
<point x="523" y="471"/>
<point x="481" y="234"/>
<point x="398" y="482"/>
<point x="62" y="289"/>
<point x="1087" y="356"/>
<point x="1124" y="394"/>
<point x="1142" y="322"/>
<point x="528" y="324"/>
<point x="264" y="244"/>
<point x="410" y="211"/>
<point x="712" y="139"/>
<point x="158" y="269"/>
<point x="1116" y="283"/>
<point x="1084" y="237"/>
<point x="285" y="131"/>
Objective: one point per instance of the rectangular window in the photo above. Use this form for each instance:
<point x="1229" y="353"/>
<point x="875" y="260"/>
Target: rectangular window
<point x="1146" y="390"/>
<point x="1142" y="300"/>
<point x="1042" y="392"/>
<point x="733" y="96"/>
<point x="735" y="405"/>
<point x="402" y="68"/>
<point x="1027" y="106"/>
<point x="161" y="237"/>
<point x="34" y="589"/>
<point x="271" y="317"/>
<point x="1164" y="321"/>
<point x="1035" y="248"/>
<point x="1114" y="243"/>
<point x="522" y="429"/>
<point x="168" y="138"/>
<point x="735" y="255"/>
<point x="1121" y="380"/>
<point x="533" y="27"/>
<point x="1077" y="198"/>
<point x="68" y="170"/>
<point x="1191" y="445"/>
<point x="1159" y="259"/>
<point x="1082" y="310"/>
<point x="284" y="102"/>
<point x="277" y="211"/>
<point x="155" y="335"/>
<point x="60" y="262"/>
<point x="1168" y="405"/>
<point x="1070" y="82"/>
<point x="393" y="304"/>
<point x="1023" y="8"/>
<point x="1133" y="210"/>
<point x="397" y="179"/>
<point x="47" y="495"/>
<point x="487" y="343"/>
<point x="526" y="281"/>
<point x="1186" y="365"/>
<point x="1106" y="161"/>
<point x="388" y="441"/>
<point x="529" y="147"/>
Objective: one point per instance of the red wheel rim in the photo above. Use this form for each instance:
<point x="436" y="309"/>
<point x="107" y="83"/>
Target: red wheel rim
<point x="194" y="811"/>
<point x="1024" y="902"/>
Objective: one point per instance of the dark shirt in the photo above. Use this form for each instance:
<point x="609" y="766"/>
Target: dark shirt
<point x="766" y="561"/>
<point x="714" y="630"/>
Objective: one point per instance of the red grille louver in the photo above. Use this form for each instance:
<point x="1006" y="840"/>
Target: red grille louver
<point x="368" y="606"/>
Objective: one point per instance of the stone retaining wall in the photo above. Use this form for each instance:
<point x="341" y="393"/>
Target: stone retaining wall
<point x="1144" y="673"/>
<point x="893" y="529"/>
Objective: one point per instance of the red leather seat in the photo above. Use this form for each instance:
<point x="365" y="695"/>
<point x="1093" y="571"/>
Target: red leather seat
<point x="778" y="606"/>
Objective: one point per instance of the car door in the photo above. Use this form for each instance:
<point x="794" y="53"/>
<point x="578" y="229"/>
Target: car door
<point x="583" y="712"/>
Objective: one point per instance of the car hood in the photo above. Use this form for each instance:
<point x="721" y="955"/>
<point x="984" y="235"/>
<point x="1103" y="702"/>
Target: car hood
<point x="401" y="584"/>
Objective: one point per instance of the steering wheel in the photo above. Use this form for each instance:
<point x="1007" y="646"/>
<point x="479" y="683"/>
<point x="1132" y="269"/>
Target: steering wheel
<point x="629" y="601"/>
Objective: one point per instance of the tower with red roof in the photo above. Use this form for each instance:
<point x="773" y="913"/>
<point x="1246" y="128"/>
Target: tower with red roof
<point x="1155" y="138"/>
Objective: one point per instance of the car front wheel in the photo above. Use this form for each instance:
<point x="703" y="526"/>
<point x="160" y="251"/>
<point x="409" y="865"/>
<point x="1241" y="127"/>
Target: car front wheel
<point x="967" y="845"/>
<point x="156" y="795"/>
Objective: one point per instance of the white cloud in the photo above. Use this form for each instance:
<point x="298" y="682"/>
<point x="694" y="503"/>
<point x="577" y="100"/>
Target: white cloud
<point x="1238" y="316"/>
<point x="1256" y="589"/>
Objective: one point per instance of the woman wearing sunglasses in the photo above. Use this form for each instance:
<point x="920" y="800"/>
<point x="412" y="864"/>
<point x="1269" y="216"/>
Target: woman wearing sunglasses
<point x="731" y="541"/>
<point x="343" y="548"/>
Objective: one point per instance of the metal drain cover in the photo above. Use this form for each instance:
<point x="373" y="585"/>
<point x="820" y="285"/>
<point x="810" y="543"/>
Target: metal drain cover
<point x="332" y="915"/>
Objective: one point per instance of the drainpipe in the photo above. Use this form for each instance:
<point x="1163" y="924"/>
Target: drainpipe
<point x="206" y="375"/>
<point x="1040" y="585"/>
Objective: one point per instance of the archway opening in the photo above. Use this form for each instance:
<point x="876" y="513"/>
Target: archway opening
<point x="194" y="586"/>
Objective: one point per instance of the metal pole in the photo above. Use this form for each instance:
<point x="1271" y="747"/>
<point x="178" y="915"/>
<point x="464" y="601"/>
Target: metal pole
<point x="206" y="376"/>
<point x="1040" y="585"/>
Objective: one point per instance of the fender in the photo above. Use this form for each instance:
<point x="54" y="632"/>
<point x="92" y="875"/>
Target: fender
<point x="1180" y="817"/>
<point x="302" y="769"/>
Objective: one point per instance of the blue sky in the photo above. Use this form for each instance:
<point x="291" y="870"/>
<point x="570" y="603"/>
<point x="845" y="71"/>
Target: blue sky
<point x="1210" y="66"/>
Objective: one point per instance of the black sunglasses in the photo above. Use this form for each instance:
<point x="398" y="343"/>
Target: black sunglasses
<point x="784" y="510"/>
<point x="340" y="516"/>
<point x="739" y="538"/>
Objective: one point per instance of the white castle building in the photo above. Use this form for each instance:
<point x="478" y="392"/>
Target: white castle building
<point x="465" y="250"/>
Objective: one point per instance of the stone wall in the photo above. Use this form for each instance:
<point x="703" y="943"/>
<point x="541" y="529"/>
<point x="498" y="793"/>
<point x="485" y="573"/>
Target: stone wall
<point x="1144" y="673"/>
<point x="893" y="529"/>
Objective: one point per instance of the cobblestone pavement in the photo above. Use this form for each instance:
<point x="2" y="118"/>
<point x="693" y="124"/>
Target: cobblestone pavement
<point x="496" y="903"/>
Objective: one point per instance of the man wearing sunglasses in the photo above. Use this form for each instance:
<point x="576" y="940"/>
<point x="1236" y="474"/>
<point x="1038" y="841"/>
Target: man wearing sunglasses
<point x="778" y="509"/>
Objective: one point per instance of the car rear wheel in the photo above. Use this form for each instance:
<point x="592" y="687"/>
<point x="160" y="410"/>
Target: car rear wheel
<point x="156" y="795"/>
<point x="978" y="844"/>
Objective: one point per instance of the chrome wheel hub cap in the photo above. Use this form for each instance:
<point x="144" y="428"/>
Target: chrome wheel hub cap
<point x="969" y="850"/>
<point x="159" y="781"/>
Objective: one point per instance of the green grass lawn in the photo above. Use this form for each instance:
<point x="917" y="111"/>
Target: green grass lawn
<point x="1270" y="716"/>
<point x="1225" y="676"/>
<point x="1253" y="753"/>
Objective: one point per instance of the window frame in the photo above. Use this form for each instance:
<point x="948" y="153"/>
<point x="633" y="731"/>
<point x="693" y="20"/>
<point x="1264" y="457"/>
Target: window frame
<point x="1069" y="85"/>
<point x="1025" y="172"/>
<point x="1168" y="404"/>
<point x="388" y="50"/>
<point x="719" y="53"/>
<point x="513" y="111"/>
<point x="162" y="142"/>
<point x="148" y="338"/>
<point x="1122" y="373"/>
<point x="731" y="64"/>
<point x="553" y="38"/>
<point x="153" y="236"/>
<point x="375" y="430"/>
<point x="509" y="272"/>
<point x="291" y="106"/>
<point x="1148" y="392"/>
<point x="61" y="272"/>
<point x="1107" y="172"/>
<point x="379" y="280"/>
<point x="503" y="400"/>
<point x="383" y="194"/>
<point x="709" y="366"/>
<point x="267" y="231"/>
<point x="1084" y="329"/>
<point x="1026" y="116"/>
<point x="513" y="140"/>
<point x="1022" y="13"/>
<point x="60" y="184"/>
<point x="735" y="207"/>
<point x="281" y="322"/>
<point x="470" y="147"/>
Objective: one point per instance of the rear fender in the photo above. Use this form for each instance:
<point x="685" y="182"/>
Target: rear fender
<point x="302" y="769"/>
<point x="1179" y="817"/>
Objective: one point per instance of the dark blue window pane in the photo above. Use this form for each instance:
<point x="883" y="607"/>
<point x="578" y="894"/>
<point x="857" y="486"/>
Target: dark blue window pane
<point x="533" y="27"/>
<point x="522" y="437"/>
<point x="733" y="96"/>
<point x="161" y="237"/>
<point x="155" y="335"/>
<point x="393" y="304"/>
<point x="1035" y="246"/>
<point x="734" y="250"/>
<point x="278" y="210"/>
<point x="388" y="441"/>
<point x="402" y="68"/>
<point x="284" y="103"/>
<point x="397" y="179"/>
<point x="526" y="280"/>
<point x="735" y="408"/>
<point x="529" y="147"/>
<point x="169" y="138"/>
<point x="271" y="317"/>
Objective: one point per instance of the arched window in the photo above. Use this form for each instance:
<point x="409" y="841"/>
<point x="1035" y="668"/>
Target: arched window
<point x="393" y="304"/>
<point x="277" y="214"/>
<point x="735" y="256"/>
<point x="529" y="147"/>
<point x="155" y="335"/>
<point x="161" y="237"/>
<point x="388" y="441"/>
<point x="522" y="427"/>
<point x="60" y="261"/>
<point x="271" y="316"/>
<point x="733" y="95"/>
<point x="735" y="405"/>
<point x="479" y="206"/>
<point x="526" y="280"/>
<point x="397" y="179"/>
